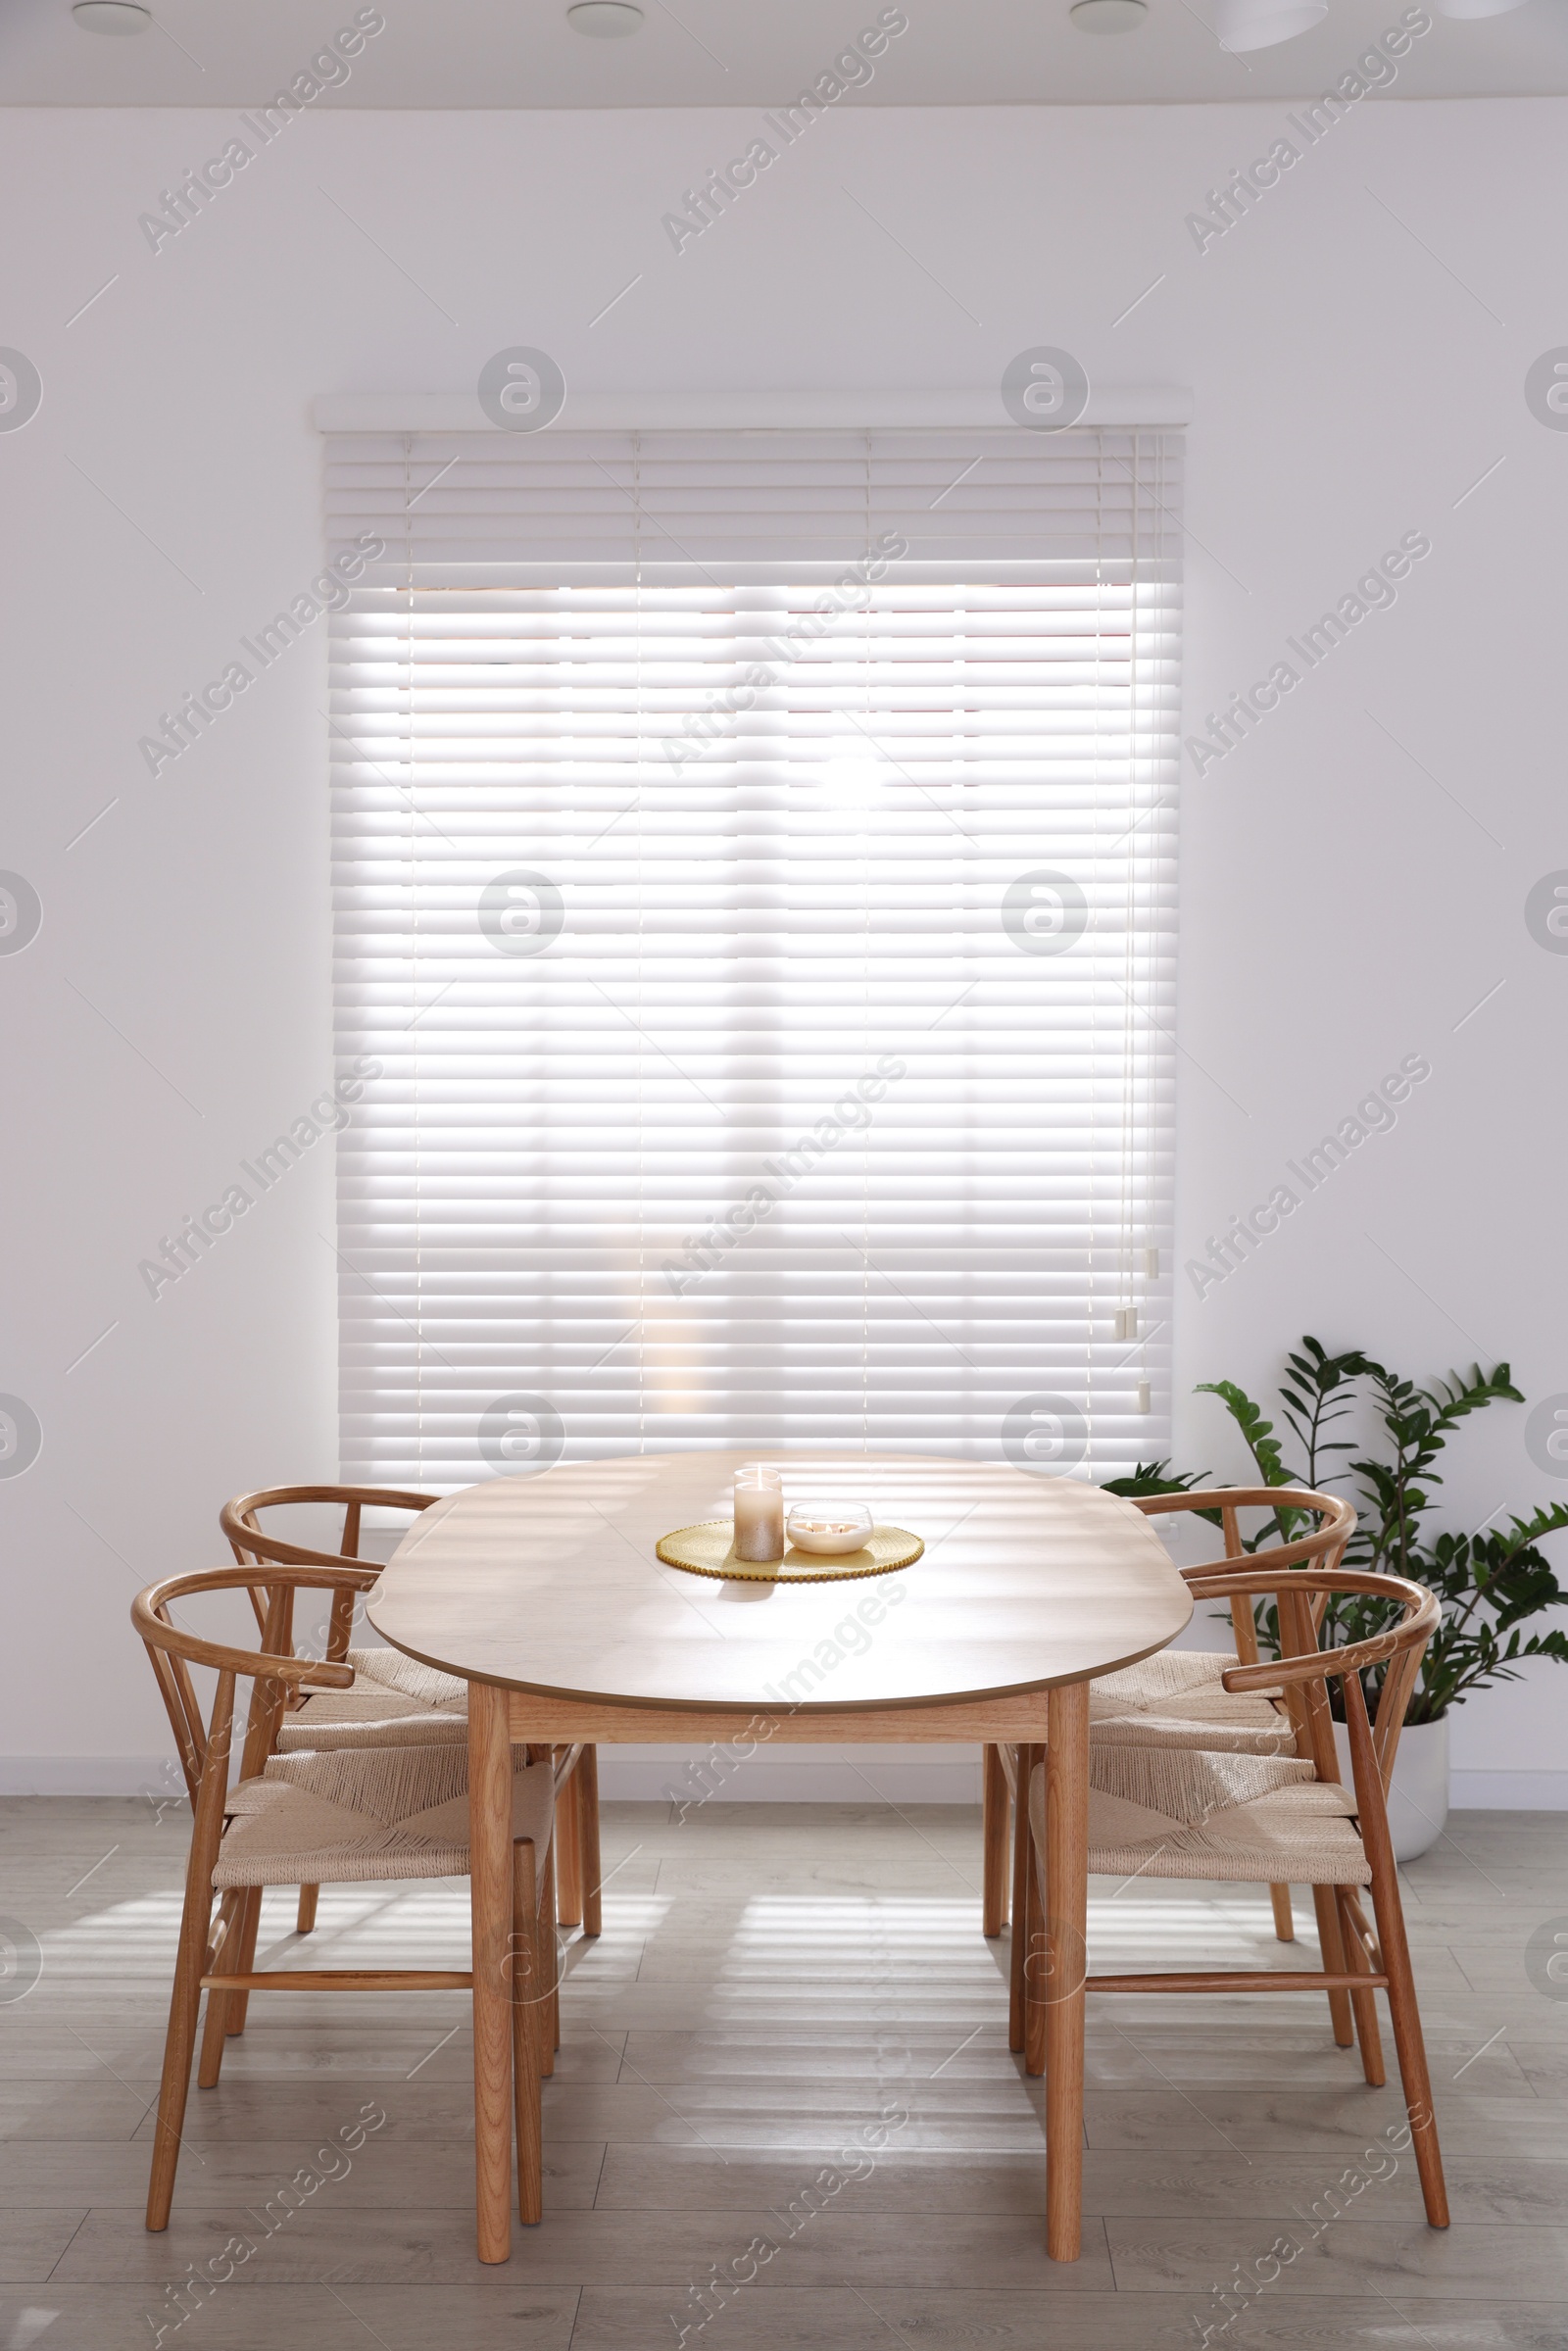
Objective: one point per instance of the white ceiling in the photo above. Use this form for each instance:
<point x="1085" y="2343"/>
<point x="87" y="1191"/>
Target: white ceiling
<point x="752" y="53"/>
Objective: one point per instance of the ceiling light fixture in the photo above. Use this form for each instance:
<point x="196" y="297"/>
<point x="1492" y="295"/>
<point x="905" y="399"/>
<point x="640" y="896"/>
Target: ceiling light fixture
<point x="1108" y="16"/>
<point x="1261" y="23"/>
<point x="605" y="19"/>
<point x="112" y="15"/>
<point x="1475" y="8"/>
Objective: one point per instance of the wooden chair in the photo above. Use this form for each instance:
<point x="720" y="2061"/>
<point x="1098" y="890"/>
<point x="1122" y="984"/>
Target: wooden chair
<point x="394" y="1700"/>
<point x="1179" y="1698"/>
<point x="1165" y="1812"/>
<point x="328" y="1819"/>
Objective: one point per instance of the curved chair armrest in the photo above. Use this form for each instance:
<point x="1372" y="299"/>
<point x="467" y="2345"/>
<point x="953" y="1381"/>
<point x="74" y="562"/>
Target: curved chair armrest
<point x="1421" y="1618"/>
<point x="1329" y="1538"/>
<point x="146" y="1614"/>
<point x="236" y="1518"/>
<point x="1334" y="1506"/>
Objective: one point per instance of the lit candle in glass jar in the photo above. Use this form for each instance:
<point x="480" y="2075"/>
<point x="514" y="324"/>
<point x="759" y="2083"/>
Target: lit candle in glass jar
<point x="759" y="1514"/>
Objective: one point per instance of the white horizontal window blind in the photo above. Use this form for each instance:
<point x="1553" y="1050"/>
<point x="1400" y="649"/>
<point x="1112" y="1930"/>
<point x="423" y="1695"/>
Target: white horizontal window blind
<point x="754" y="883"/>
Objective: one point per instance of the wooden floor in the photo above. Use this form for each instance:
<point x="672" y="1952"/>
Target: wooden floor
<point x="771" y="1981"/>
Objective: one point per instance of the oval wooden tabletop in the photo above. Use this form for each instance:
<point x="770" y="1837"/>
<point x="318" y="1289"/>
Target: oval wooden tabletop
<point x="550" y="1584"/>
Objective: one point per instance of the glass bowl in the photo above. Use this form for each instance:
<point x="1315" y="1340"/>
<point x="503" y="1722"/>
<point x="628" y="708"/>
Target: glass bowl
<point x="829" y="1528"/>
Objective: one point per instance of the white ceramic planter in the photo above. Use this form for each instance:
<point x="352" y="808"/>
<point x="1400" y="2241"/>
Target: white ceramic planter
<point x="1418" y="1800"/>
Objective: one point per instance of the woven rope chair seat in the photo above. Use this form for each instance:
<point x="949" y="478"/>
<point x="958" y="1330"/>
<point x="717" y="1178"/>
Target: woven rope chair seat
<point x="340" y="1819"/>
<point x="1167" y="1812"/>
<point x="395" y="1702"/>
<point x="1177" y="1700"/>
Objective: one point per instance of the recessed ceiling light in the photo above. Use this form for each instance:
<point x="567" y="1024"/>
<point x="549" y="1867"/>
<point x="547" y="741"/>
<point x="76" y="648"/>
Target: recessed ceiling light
<point x="605" y="19"/>
<point x="1108" y="16"/>
<point x="1263" y="23"/>
<point x="112" y="15"/>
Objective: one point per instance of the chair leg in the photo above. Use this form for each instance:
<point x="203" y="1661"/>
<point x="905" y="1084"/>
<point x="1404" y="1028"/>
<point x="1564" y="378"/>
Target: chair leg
<point x="219" y="1951"/>
<point x="539" y="2023"/>
<point x="225" y="2010"/>
<point x="214" y="2035"/>
<point x="1334" y="1961"/>
<point x="305" y="1917"/>
<point x="1364" y="2003"/>
<point x="568" y="1842"/>
<point x="175" y="2088"/>
<point x="550" y="1957"/>
<point x="994" y="1843"/>
<point x="1417" y="2083"/>
<point x="244" y="1959"/>
<point x="1023" y="1765"/>
<point x="1403" y="2013"/>
<point x="586" y="1777"/>
<point x="1036" y="1988"/>
<point x="525" y="2003"/>
<point x="1284" y="1923"/>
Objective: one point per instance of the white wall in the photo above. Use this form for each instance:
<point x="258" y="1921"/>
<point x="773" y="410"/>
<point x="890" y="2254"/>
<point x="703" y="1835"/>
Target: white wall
<point x="1356" y="348"/>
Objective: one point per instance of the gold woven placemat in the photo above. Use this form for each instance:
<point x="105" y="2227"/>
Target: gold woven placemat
<point x="707" y="1550"/>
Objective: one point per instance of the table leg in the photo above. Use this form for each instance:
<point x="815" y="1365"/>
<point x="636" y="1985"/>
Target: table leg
<point x="1066" y="1953"/>
<point x="490" y="1888"/>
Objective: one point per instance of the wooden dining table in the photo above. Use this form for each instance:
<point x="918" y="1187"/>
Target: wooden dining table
<point x="545" y="1594"/>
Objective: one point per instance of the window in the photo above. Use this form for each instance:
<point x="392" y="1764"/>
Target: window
<point x="755" y="886"/>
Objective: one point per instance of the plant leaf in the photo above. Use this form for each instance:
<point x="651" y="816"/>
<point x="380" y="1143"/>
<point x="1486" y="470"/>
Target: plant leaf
<point x="1259" y="1431"/>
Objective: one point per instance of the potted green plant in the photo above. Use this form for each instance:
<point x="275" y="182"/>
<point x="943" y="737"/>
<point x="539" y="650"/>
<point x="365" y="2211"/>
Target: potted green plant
<point x="1488" y="1583"/>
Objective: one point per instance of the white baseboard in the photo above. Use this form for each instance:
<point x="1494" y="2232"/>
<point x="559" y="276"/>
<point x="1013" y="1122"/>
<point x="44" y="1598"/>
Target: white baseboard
<point x="628" y="1774"/>
<point x="1509" y="1792"/>
<point x="149" y="1776"/>
<point x="793" y="1775"/>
